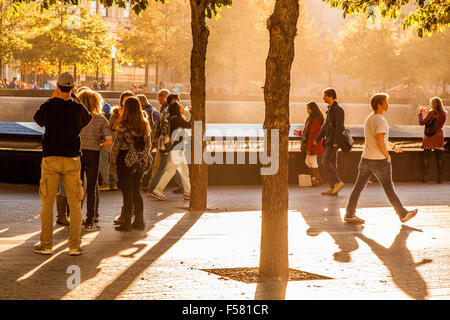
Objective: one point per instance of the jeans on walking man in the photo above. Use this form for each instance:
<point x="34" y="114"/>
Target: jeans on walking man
<point x="331" y="131"/>
<point x="63" y="119"/>
<point x="376" y="160"/>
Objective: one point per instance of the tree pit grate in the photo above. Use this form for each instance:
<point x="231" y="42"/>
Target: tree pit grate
<point x="251" y="275"/>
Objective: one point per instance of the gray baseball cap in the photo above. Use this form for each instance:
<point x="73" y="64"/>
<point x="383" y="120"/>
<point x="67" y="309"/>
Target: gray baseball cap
<point x="66" y="80"/>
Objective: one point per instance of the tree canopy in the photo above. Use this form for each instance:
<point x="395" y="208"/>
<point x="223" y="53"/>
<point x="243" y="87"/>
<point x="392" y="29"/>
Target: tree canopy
<point x="427" y="16"/>
<point x="160" y="35"/>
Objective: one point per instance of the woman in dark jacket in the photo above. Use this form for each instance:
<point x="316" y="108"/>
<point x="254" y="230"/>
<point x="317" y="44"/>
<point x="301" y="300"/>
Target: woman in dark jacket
<point x="436" y="141"/>
<point x="313" y="123"/>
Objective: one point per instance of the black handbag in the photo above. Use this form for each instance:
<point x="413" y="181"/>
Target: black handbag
<point x="346" y="141"/>
<point x="431" y="127"/>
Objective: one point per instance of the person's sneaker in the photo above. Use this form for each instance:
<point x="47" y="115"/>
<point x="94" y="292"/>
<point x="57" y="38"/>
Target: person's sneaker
<point x="91" y="227"/>
<point x="118" y="219"/>
<point x="104" y="188"/>
<point x="157" y="196"/>
<point x="353" y="219"/>
<point x="337" y="187"/>
<point x="409" y="215"/>
<point x="40" y="250"/>
<point x="76" y="252"/>
<point x="114" y="187"/>
<point x="177" y="190"/>
<point x="124" y="227"/>
<point x="62" y="220"/>
<point x="328" y="192"/>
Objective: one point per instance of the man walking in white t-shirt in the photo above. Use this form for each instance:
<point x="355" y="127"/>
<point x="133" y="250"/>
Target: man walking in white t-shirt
<point x="376" y="160"/>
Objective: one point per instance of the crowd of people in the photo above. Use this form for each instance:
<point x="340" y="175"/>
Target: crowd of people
<point x="325" y="135"/>
<point x="134" y="146"/>
<point x="86" y="138"/>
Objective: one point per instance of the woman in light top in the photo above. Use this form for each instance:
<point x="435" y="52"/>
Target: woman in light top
<point x="90" y="153"/>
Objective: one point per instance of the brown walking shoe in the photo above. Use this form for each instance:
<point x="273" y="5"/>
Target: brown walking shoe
<point x="337" y="187"/>
<point x="353" y="219"/>
<point x="328" y="192"/>
<point x="409" y="215"/>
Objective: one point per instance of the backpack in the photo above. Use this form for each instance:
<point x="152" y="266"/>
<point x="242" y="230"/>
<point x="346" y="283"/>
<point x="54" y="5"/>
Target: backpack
<point x="136" y="157"/>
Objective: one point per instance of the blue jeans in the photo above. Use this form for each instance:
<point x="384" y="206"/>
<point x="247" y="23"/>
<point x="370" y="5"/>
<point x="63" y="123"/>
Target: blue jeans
<point x="383" y="171"/>
<point x="329" y="161"/>
<point x="107" y="178"/>
<point x="164" y="158"/>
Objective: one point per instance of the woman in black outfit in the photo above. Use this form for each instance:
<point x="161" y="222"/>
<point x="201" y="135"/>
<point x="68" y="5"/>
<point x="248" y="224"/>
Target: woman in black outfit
<point x="133" y="129"/>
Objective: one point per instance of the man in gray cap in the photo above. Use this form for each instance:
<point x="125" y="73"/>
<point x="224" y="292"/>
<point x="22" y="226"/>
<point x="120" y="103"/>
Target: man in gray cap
<point x="63" y="119"/>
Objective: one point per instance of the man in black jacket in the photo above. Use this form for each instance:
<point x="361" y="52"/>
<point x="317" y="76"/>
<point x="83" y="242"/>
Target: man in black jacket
<point x="332" y="130"/>
<point x="63" y="119"/>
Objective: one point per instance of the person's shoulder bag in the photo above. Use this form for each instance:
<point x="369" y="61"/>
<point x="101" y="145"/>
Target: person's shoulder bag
<point x="137" y="157"/>
<point x="431" y="126"/>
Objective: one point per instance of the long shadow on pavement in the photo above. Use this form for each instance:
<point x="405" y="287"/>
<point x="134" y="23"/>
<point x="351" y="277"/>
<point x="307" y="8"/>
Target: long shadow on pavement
<point x="121" y="283"/>
<point x="45" y="277"/>
<point x="400" y="263"/>
<point x="326" y="217"/>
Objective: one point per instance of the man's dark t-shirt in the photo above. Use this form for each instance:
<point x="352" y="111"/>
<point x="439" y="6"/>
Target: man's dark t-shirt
<point x="63" y="121"/>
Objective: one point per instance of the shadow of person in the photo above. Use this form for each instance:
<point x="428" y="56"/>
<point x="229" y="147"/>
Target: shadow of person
<point x="19" y="263"/>
<point x="271" y="290"/>
<point x="45" y="277"/>
<point x="326" y="218"/>
<point x="400" y="263"/>
<point x="120" y="284"/>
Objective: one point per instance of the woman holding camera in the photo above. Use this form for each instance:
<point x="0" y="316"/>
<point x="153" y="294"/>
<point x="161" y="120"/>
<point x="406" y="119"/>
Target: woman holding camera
<point x="433" y="138"/>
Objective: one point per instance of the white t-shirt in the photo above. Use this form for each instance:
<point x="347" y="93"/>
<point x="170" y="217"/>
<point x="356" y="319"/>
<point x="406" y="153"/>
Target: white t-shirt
<point x="375" y="123"/>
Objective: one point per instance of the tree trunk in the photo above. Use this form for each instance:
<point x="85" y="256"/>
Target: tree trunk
<point x="75" y="73"/>
<point x="157" y="74"/>
<point x="275" y="197"/>
<point x="146" y="75"/>
<point x="199" y="170"/>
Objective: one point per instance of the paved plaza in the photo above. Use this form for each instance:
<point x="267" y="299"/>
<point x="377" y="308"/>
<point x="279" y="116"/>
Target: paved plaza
<point x="381" y="260"/>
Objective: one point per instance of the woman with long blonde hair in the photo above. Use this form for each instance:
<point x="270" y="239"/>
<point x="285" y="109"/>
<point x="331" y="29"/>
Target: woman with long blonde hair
<point x="129" y="158"/>
<point x="433" y="138"/>
<point x="90" y="153"/>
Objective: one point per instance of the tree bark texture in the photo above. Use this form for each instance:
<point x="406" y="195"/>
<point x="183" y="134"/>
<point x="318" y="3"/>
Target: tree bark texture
<point x="157" y="74"/>
<point x="199" y="171"/>
<point x="275" y="197"/>
<point x="146" y="75"/>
